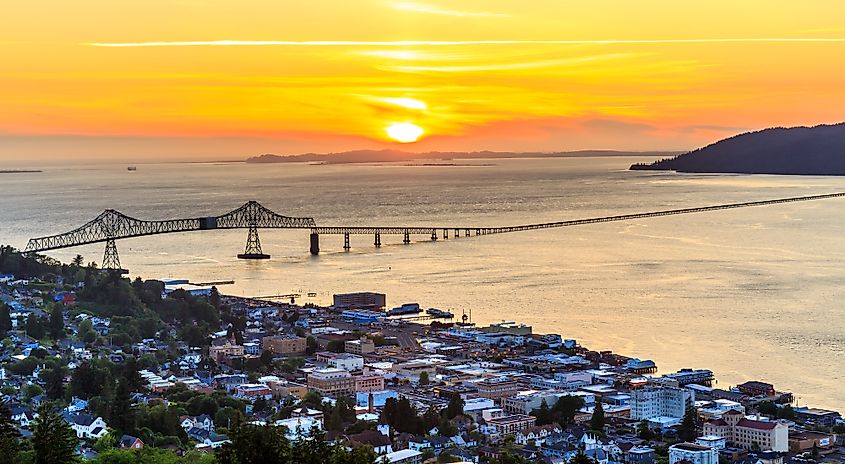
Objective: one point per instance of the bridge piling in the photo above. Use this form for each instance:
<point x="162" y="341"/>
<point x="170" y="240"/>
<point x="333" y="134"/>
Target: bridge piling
<point x="433" y="235"/>
<point x="377" y="241"/>
<point x="346" y="245"/>
<point x="253" y="246"/>
<point x="407" y="239"/>
<point x="315" y="243"/>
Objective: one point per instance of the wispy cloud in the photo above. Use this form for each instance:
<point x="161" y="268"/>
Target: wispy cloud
<point x="516" y="66"/>
<point x="432" y="9"/>
<point x="442" y="43"/>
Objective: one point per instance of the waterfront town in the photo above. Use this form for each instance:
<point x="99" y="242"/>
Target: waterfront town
<point x="171" y="371"/>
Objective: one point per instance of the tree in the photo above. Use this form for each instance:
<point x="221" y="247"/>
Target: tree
<point x="54" y="382"/>
<point x="121" y="414"/>
<point x="688" y="430"/>
<point x="9" y="444"/>
<point x="35" y="327"/>
<point x="644" y="431"/>
<point x="5" y="319"/>
<point x="267" y="357"/>
<point x="455" y="407"/>
<point x="597" y="420"/>
<point x="86" y="331"/>
<point x="57" y="323"/>
<point x="581" y="458"/>
<point x="53" y="440"/>
<point x="543" y="413"/>
<point x="565" y="409"/>
<point x="335" y="346"/>
<point x="78" y="260"/>
<point x="424" y="378"/>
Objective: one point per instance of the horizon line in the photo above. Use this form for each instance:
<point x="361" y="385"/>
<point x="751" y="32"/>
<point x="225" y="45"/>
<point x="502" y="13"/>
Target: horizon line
<point x="436" y="43"/>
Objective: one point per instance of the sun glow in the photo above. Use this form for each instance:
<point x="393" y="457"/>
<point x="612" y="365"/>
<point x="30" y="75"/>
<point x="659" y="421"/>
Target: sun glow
<point x="404" y="132"/>
<point x="410" y="103"/>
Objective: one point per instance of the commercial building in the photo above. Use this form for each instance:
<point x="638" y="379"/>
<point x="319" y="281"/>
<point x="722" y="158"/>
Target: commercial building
<point x="748" y="433"/>
<point x="800" y="442"/>
<point x="755" y="388"/>
<point x="369" y="383"/>
<point x="405" y="456"/>
<point x="360" y="300"/>
<point x="345" y="361"/>
<point x="694" y="453"/>
<point x="816" y="416"/>
<point x="284" y="344"/>
<point x="331" y="382"/>
<point x="361" y="346"/>
<point x="497" y="428"/>
<point x="653" y="402"/>
<point x="688" y="376"/>
<point x="227" y="350"/>
<point x="497" y="387"/>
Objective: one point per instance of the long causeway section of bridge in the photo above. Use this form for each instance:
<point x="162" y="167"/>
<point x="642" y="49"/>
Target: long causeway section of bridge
<point x="112" y="225"/>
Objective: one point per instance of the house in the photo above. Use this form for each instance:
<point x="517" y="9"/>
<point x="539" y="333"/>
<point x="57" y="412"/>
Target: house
<point x="23" y="415"/>
<point x="536" y="434"/>
<point x="406" y="456"/>
<point x="693" y="453"/>
<point x="209" y="439"/>
<point x="86" y="425"/>
<point x="380" y="443"/>
<point x="202" y="421"/>
<point x="748" y="433"/>
<point x="128" y="441"/>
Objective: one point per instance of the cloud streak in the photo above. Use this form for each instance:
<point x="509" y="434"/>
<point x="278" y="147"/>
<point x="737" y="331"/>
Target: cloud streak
<point x="446" y="43"/>
<point x="430" y="9"/>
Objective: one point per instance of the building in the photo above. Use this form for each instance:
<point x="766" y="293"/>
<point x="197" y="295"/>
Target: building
<point x="219" y="353"/>
<point x="536" y="435"/>
<point x="693" y="453"/>
<point x="360" y="300"/>
<point x="284" y="344"/>
<point x="654" y="402"/>
<point x="497" y="387"/>
<point x="369" y="383"/>
<point x="360" y="347"/>
<point x="130" y="442"/>
<point x="527" y="401"/>
<point x="687" y="376"/>
<point x="805" y="441"/>
<point x="87" y="426"/>
<point x="298" y="427"/>
<point x="816" y="416"/>
<point x="497" y="428"/>
<point x="755" y="388"/>
<point x="405" y="456"/>
<point x="251" y="391"/>
<point x="332" y="382"/>
<point x="747" y="433"/>
<point x="712" y="441"/>
<point x="345" y="361"/>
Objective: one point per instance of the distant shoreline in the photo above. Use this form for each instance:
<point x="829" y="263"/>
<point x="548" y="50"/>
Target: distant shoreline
<point x="395" y="156"/>
<point x="19" y="171"/>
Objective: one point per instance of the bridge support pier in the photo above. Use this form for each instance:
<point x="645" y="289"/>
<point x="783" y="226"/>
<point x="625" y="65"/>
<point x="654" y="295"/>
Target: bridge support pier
<point x="457" y="233"/>
<point x="467" y="232"/>
<point x="111" y="260"/>
<point x="253" y="246"/>
<point x="377" y="241"/>
<point x="445" y="233"/>
<point x="433" y="235"/>
<point x="315" y="243"/>
<point x="346" y="245"/>
<point x="407" y="239"/>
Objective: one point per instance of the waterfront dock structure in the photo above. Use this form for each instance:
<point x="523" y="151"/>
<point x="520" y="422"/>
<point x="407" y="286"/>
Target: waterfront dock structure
<point x="112" y="225"/>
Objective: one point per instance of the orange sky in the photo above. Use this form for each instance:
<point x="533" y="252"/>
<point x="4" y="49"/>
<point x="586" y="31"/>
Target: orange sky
<point x="210" y="79"/>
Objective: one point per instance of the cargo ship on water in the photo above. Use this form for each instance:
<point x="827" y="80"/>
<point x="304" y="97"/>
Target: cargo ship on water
<point x="404" y="310"/>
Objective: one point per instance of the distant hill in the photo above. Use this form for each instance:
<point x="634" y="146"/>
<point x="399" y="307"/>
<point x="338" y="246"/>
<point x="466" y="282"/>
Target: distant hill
<point x="381" y="156"/>
<point x="818" y="150"/>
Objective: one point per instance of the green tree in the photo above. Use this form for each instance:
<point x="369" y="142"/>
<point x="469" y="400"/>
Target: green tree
<point x="9" y="444"/>
<point x="57" y="323"/>
<point x="335" y="346"/>
<point x="53" y="440"/>
<point x="644" y="431"/>
<point x="581" y="458"/>
<point x="86" y="332"/>
<point x="566" y="408"/>
<point x="543" y="413"/>
<point x="35" y="327"/>
<point x="78" y="260"/>
<point x="54" y="382"/>
<point x="424" y="380"/>
<point x="121" y="415"/>
<point x="597" y="419"/>
<point x="456" y="407"/>
<point x="690" y="425"/>
<point x="5" y="319"/>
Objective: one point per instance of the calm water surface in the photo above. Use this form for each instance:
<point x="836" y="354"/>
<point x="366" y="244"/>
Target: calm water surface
<point x="754" y="293"/>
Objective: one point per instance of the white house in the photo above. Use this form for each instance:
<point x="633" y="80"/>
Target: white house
<point x="694" y="453"/>
<point x="202" y="421"/>
<point x="87" y="426"/>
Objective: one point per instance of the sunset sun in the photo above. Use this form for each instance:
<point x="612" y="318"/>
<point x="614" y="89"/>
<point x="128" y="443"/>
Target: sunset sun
<point x="404" y="132"/>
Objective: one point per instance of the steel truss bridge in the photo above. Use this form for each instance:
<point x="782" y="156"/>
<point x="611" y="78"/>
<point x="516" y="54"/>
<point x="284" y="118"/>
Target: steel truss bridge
<point x="112" y="225"/>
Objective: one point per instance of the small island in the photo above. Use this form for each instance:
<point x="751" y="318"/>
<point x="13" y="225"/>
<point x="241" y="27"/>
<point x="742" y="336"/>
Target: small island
<point x="818" y="151"/>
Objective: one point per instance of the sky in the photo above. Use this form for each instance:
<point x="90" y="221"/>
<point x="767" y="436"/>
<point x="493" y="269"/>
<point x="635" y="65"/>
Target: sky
<point x="221" y="79"/>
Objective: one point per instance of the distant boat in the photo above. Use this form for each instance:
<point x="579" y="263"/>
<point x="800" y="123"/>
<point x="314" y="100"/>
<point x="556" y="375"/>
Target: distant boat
<point x="132" y="168"/>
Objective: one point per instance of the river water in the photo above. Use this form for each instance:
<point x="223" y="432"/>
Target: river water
<point x="754" y="293"/>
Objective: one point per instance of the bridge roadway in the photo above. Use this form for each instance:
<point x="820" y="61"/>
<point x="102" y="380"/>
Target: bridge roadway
<point x="112" y="225"/>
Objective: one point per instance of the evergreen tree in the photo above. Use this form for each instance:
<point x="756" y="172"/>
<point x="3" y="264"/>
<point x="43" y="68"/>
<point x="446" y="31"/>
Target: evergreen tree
<point x="54" y="382"/>
<point x="131" y="375"/>
<point x="5" y="319"/>
<point x="581" y="458"/>
<point x="424" y="380"/>
<point x="121" y="414"/>
<point x="9" y="444"/>
<point x="597" y="420"/>
<point x="644" y="431"/>
<point x="53" y="440"/>
<point x="35" y="327"/>
<point x="57" y="323"/>
<point x="688" y="430"/>
<point x="455" y="407"/>
<point x="543" y="414"/>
